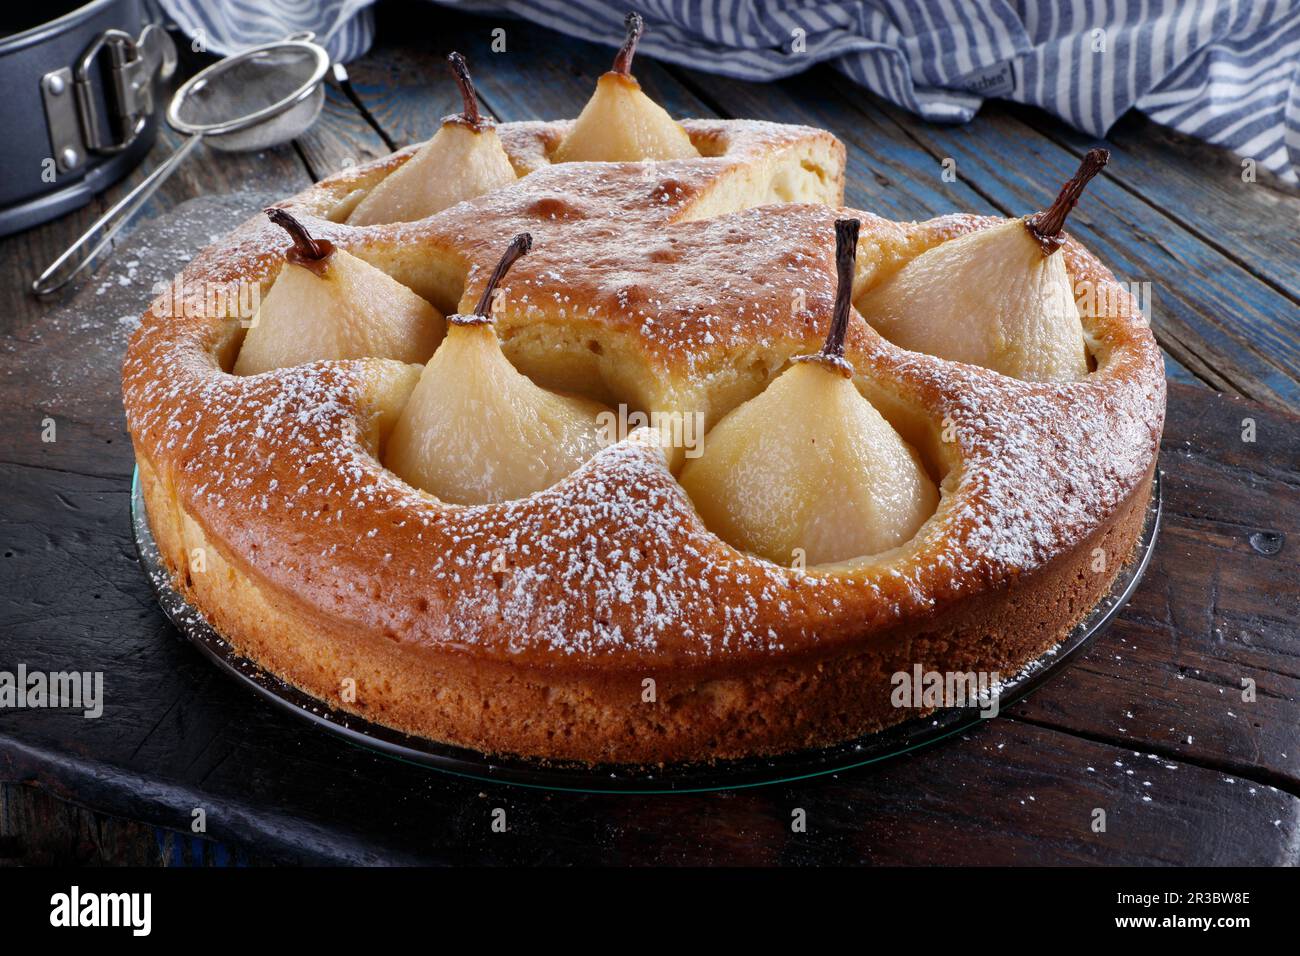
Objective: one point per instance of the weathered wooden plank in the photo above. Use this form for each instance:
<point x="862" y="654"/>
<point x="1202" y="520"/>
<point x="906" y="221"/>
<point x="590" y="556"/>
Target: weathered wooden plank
<point x="1215" y="317"/>
<point x="1176" y="371"/>
<point x="341" y="136"/>
<point x="25" y="254"/>
<point x="539" y="75"/>
<point x="1215" y="622"/>
<point x="36" y="829"/>
<point x="1254" y="222"/>
<point x="1024" y="798"/>
<point x="407" y="90"/>
<point x="1007" y="793"/>
<point x="888" y="173"/>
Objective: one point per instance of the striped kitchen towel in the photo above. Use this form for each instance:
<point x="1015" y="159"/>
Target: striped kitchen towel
<point x="346" y="28"/>
<point x="1227" y="71"/>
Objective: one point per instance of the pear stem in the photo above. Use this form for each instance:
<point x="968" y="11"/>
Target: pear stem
<point x="846" y="255"/>
<point x="1046" y="226"/>
<point x="303" y="244"/>
<point x="460" y="70"/>
<point x="519" y="245"/>
<point x="623" y="61"/>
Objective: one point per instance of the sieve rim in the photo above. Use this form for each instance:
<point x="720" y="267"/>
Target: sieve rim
<point x="301" y="93"/>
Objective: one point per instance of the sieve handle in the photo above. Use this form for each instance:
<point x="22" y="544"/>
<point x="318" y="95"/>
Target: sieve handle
<point x="57" y="275"/>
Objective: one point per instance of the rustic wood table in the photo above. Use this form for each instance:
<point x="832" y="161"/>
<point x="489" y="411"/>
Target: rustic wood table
<point x="1155" y="723"/>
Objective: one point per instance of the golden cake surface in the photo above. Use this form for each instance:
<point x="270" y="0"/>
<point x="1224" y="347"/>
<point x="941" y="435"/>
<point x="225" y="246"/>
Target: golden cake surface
<point x="532" y="626"/>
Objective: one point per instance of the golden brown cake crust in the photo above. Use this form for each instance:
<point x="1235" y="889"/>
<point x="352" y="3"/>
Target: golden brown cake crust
<point x="529" y="626"/>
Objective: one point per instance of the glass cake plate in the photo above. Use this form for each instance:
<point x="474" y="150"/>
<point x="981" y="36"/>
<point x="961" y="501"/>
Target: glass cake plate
<point x="721" y="775"/>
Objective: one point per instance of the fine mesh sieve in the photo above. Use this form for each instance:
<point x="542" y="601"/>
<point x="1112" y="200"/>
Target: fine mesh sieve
<point x="251" y="101"/>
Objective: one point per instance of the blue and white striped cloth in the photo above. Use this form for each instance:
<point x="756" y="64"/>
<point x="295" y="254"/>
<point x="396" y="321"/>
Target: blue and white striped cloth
<point x="1227" y="71"/>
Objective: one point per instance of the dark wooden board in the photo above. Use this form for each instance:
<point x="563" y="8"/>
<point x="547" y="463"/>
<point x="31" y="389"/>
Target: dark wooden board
<point x="341" y="137"/>
<point x="1216" y="611"/>
<point x="1217" y="318"/>
<point x="176" y="735"/>
<point x="889" y="171"/>
<point x="1149" y="725"/>
<point x="38" y="829"/>
<point x="1255" y="222"/>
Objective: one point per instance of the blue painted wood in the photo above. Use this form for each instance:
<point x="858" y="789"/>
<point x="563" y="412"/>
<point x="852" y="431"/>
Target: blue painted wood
<point x="1219" y="320"/>
<point x="1165" y="681"/>
<point x="1252" y="220"/>
<point x="1175" y="371"/>
<point x="407" y="90"/>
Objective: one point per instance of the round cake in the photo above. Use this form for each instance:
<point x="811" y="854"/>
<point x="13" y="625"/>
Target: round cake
<point x="467" y="573"/>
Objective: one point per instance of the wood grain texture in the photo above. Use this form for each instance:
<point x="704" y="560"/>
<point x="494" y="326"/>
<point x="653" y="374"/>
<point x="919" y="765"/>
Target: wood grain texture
<point x="1255" y="223"/>
<point x="888" y="173"/>
<point x="341" y="136"/>
<point x="177" y="735"/>
<point x="37" y="829"/>
<point x="407" y="91"/>
<point x="1148" y="726"/>
<point x="1218" y="319"/>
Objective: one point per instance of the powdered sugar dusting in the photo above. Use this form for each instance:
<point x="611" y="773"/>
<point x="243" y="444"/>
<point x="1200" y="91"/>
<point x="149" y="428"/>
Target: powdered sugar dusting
<point x="613" y="563"/>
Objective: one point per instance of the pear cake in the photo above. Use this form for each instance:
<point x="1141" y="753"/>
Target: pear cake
<point x="404" y="487"/>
